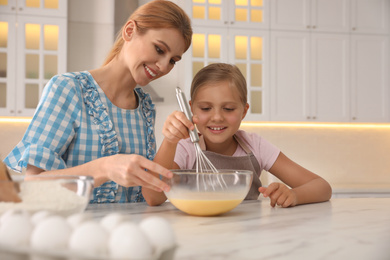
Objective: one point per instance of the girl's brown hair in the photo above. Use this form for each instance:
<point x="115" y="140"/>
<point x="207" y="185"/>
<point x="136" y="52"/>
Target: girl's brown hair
<point x="220" y="72"/>
<point x="156" y="14"/>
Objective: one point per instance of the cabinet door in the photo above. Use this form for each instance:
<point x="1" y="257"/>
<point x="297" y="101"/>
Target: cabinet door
<point x="330" y="16"/>
<point x="209" y="45"/>
<point x="8" y="6"/>
<point x="7" y="64"/>
<point x="290" y="14"/>
<point x="329" y="77"/>
<point x="370" y="16"/>
<point x="41" y="54"/>
<point x="54" y="8"/>
<point x="370" y="78"/>
<point x="209" y="13"/>
<point x="220" y="13"/>
<point x="248" y="50"/>
<point x="290" y="67"/>
<point x="249" y="14"/>
<point x="314" y="15"/>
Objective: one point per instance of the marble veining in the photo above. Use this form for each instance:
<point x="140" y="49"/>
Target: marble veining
<point x="343" y="228"/>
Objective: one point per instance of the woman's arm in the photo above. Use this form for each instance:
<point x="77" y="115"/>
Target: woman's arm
<point x="306" y="187"/>
<point x="126" y="170"/>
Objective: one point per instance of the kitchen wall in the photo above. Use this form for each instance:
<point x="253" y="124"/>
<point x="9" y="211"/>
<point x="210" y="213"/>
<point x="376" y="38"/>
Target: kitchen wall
<point x="349" y="158"/>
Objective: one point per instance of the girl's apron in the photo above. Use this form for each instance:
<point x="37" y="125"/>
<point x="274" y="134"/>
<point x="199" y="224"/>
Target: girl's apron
<point x="247" y="162"/>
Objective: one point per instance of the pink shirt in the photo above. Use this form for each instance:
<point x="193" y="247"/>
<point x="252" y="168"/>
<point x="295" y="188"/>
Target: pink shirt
<point x="265" y="152"/>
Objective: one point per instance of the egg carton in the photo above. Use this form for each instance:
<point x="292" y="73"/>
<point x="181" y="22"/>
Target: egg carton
<point x="28" y="253"/>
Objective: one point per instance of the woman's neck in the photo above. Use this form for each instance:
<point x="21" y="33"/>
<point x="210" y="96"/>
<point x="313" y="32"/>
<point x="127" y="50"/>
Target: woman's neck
<point x="117" y="84"/>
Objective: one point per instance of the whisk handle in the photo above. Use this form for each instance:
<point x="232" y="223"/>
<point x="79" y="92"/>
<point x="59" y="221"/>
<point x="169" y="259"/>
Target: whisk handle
<point x="184" y="107"/>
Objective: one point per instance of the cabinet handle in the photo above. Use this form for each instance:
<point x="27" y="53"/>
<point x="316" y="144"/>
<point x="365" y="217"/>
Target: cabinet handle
<point x="13" y="8"/>
<point x="19" y="111"/>
<point x="314" y="27"/>
<point x="20" y="8"/>
<point x="308" y="27"/>
<point x="353" y="28"/>
<point x="226" y="22"/>
<point x="314" y="117"/>
<point x="12" y="111"/>
<point x="232" y="22"/>
<point x="308" y="117"/>
<point x="354" y="118"/>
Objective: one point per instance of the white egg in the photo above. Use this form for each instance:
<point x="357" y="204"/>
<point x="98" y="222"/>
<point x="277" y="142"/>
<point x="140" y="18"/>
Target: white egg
<point x="12" y="212"/>
<point x="127" y="240"/>
<point x="110" y="221"/>
<point x="159" y="231"/>
<point x="16" y="230"/>
<point x="51" y="233"/>
<point x="89" y="238"/>
<point x="39" y="215"/>
<point x="76" y="219"/>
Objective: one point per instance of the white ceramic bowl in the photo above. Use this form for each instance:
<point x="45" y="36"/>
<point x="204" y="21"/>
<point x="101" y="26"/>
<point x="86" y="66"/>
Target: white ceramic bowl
<point x="208" y="194"/>
<point x="60" y="194"/>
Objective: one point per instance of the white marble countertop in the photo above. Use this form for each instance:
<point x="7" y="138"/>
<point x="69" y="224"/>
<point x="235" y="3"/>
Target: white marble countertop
<point x="343" y="228"/>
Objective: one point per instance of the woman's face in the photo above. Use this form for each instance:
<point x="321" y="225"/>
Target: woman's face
<point x="218" y="110"/>
<point x="153" y="54"/>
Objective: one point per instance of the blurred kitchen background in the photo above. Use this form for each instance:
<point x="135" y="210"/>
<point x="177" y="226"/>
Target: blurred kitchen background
<point x="317" y="72"/>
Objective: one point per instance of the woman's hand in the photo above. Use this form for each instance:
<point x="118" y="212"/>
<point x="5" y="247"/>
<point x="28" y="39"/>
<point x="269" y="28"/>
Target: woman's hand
<point x="134" y="170"/>
<point x="125" y="169"/>
<point x="279" y="194"/>
<point x="176" y="127"/>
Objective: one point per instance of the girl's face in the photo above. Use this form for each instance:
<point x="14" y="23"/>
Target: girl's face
<point x="153" y="54"/>
<point x="218" y="110"/>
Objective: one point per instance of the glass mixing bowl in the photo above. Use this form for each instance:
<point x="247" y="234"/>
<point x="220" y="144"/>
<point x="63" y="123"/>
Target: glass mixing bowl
<point x="60" y="194"/>
<point x="208" y="193"/>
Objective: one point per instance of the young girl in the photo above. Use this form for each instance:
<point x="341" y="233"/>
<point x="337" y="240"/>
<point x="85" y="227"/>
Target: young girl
<point x="98" y="122"/>
<point x="219" y="103"/>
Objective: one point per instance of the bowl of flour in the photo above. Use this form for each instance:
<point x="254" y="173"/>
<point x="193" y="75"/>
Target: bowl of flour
<point x="60" y="194"/>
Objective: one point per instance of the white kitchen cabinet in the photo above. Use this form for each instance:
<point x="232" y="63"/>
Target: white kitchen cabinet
<point x="220" y="13"/>
<point x="310" y="15"/>
<point x="370" y="78"/>
<point x="232" y="32"/>
<point x="370" y="16"/>
<point x="309" y="77"/>
<point x="329" y="77"/>
<point x="32" y="50"/>
<point x="52" y="8"/>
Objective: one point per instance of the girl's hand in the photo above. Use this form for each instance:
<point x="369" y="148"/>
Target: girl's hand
<point x="279" y="194"/>
<point x="134" y="170"/>
<point x="176" y="127"/>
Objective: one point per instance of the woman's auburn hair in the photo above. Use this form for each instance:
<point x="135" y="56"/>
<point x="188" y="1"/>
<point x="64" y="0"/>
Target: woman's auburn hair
<point x="157" y="14"/>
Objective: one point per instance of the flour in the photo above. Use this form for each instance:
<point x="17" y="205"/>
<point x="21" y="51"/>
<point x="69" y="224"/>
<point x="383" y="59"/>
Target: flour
<point x="47" y="195"/>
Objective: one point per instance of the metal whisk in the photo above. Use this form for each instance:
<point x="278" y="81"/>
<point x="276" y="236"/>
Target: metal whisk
<point x="203" y="164"/>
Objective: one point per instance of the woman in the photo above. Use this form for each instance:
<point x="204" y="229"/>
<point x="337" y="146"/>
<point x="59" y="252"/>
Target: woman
<point x="97" y="122"/>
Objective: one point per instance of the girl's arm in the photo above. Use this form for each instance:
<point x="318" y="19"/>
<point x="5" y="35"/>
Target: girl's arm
<point x="306" y="187"/>
<point x="175" y="128"/>
<point x="164" y="157"/>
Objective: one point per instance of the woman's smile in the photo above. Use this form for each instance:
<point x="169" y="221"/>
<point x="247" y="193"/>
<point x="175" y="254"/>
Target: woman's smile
<point x="149" y="72"/>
